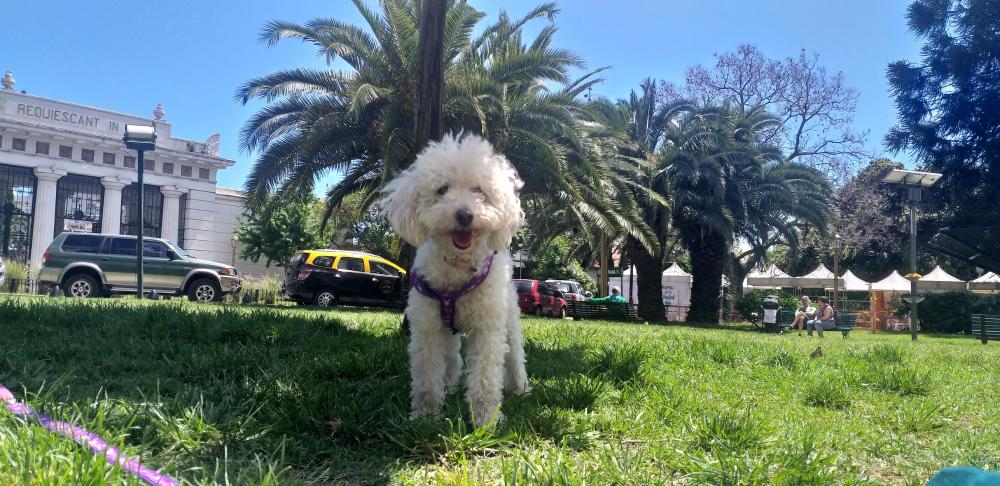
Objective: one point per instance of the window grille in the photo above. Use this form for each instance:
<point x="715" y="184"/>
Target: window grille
<point x="152" y="214"/>
<point x="182" y="216"/>
<point x="79" y="200"/>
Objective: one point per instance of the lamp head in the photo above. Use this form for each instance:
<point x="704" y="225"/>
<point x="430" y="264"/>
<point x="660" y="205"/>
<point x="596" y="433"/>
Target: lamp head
<point x="911" y="177"/>
<point x="140" y="137"/>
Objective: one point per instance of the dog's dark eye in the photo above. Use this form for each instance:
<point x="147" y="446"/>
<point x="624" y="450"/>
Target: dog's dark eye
<point x="477" y="190"/>
<point x="442" y="190"/>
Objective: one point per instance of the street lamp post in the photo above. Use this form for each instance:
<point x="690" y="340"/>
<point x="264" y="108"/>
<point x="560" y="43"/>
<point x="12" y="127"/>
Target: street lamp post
<point x="139" y="138"/>
<point x="913" y="182"/>
<point x="836" y="270"/>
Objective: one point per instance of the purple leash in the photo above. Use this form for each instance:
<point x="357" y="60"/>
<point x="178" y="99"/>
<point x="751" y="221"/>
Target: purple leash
<point x="448" y="299"/>
<point x="94" y="442"/>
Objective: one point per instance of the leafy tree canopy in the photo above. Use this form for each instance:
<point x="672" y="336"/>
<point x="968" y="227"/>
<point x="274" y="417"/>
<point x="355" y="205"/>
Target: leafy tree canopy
<point x="276" y="236"/>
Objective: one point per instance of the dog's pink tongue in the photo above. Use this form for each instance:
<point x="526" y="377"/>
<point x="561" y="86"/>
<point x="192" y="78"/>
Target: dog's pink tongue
<point x="462" y="239"/>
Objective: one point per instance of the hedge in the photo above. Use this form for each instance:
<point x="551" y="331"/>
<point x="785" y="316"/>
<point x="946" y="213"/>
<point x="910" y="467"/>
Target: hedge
<point x="951" y="311"/>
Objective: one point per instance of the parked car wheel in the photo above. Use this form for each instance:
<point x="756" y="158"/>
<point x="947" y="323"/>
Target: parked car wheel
<point x="204" y="290"/>
<point x="81" y="286"/>
<point x="326" y="298"/>
<point x="562" y="312"/>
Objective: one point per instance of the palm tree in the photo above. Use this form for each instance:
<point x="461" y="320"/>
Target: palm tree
<point x="359" y="121"/>
<point x="725" y="183"/>
<point x="786" y="200"/>
<point x="639" y="122"/>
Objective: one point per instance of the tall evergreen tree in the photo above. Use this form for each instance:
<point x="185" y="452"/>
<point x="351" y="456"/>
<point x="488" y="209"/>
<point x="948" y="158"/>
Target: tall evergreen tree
<point x="949" y="105"/>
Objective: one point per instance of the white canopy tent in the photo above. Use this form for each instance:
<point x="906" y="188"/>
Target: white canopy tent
<point x="676" y="290"/>
<point x="893" y="283"/>
<point x="629" y="284"/>
<point x="988" y="282"/>
<point x="769" y="278"/>
<point x="673" y="276"/>
<point x="819" y="278"/>
<point x="940" y="280"/>
<point x="854" y="284"/>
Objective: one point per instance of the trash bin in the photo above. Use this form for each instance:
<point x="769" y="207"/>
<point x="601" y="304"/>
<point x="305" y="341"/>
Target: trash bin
<point x="770" y="307"/>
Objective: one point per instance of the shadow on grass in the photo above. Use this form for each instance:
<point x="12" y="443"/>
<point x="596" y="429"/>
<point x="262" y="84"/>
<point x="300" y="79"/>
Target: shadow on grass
<point x="304" y="390"/>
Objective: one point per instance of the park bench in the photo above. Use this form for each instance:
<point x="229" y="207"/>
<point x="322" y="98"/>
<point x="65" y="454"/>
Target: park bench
<point x="601" y="310"/>
<point x="987" y="327"/>
<point x="845" y="326"/>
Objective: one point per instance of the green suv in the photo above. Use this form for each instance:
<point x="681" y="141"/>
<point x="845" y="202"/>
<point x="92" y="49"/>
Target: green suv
<point x="94" y="265"/>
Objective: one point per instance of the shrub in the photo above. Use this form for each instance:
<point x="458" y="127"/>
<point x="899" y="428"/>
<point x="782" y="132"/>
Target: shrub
<point x="267" y="287"/>
<point x="16" y="270"/>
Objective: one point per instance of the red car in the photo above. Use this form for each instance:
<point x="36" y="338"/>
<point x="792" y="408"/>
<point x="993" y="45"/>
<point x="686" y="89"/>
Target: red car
<point x="539" y="298"/>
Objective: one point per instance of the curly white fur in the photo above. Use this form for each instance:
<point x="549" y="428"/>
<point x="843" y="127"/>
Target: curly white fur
<point x="461" y="174"/>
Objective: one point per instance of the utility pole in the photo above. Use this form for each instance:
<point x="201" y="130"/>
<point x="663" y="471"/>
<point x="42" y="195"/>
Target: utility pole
<point x="836" y="271"/>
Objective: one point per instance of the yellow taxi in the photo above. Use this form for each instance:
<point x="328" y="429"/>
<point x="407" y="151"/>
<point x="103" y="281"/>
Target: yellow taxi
<point x="331" y="277"/>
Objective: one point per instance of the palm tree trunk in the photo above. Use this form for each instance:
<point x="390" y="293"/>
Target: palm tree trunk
<point x="708" y="252"/>
<point x="741" y="271"/>
<point x="648" y="270"/>
<point x="430" y="86"/>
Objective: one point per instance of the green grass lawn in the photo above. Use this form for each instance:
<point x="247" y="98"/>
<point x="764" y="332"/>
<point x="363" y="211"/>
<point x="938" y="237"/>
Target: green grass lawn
<point x="214" y="394"/>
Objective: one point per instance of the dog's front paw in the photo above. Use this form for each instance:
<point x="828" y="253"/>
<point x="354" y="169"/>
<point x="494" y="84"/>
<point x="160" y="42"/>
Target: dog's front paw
<point x="425" y="405"/>
<point x="491" y="419"/>
<point x="517" y="387"/>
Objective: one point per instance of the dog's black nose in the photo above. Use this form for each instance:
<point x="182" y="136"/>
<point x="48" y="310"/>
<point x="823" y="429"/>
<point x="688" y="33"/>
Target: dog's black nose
<point x="464" y="217"/>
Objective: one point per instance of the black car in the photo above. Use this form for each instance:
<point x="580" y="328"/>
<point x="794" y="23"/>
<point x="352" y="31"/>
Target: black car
<point x="330" y="277"/>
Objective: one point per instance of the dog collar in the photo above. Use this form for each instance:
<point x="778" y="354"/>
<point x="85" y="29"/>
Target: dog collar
<point x="447" y="299"/>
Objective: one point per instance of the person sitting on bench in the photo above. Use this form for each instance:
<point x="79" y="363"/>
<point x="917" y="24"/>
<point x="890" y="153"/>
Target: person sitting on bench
<point x="616" y="297"/>
<point x="807" y="311"/>
<point x="824" y="318"/>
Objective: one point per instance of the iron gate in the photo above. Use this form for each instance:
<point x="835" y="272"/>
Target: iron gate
<point x="17" y="203"/>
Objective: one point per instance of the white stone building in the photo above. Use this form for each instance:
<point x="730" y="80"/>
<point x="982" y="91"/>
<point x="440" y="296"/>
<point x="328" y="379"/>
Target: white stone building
<point x="63" y="167"/>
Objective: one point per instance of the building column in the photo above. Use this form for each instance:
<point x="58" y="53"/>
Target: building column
<point x="171" y="212"/>
<point x="111" y="209"/>
<point x="44" y="213"/>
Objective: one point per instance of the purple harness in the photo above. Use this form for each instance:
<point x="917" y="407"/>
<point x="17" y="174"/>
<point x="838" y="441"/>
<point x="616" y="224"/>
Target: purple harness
<point x="94" y="442"/>
<point x="448" y="299"/>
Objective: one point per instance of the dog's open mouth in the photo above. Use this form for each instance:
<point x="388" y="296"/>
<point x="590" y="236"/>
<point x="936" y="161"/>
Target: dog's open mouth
<point x="463" y="238"/>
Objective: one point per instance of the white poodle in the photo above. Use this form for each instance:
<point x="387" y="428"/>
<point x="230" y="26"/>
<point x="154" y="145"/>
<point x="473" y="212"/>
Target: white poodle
<point x="457" y="203"/>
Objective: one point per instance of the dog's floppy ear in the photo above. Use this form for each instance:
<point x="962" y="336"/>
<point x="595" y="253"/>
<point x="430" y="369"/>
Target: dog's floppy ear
<point x="507" y="184"/>
<point x="400" y="206"/>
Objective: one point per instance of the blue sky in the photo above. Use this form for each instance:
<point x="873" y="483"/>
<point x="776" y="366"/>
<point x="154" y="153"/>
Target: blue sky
<point x="197" y="53"/>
